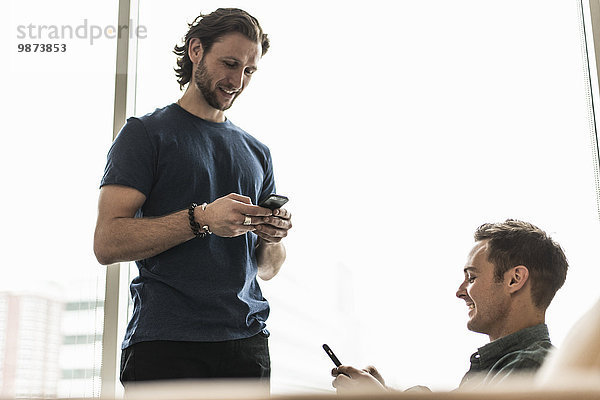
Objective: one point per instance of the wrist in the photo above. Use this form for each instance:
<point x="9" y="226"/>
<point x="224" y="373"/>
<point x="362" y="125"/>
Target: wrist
<point x="198" y="223"/>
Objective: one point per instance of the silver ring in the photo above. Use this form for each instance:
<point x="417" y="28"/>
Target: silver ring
<point x="247" y="220"/>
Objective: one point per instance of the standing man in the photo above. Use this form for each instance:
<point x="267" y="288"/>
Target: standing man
<point x="511" y="276"/>
<point x="179" y="197"/>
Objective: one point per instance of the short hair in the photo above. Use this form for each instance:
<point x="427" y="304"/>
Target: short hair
<point x="514" y="242"/>
<point x="210" y="28"/>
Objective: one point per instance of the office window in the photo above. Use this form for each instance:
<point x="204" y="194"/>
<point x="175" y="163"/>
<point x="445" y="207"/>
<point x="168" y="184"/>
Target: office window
<point x="57" y="127"/>
<point x="396" y="129"/>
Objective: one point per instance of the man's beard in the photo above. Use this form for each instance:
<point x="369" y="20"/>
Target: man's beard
<point x="204" y="85"/>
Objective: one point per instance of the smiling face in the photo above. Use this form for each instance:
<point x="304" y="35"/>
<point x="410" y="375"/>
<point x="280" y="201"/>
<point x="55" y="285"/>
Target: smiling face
<point x="487" y="299"/>
<point x="225" y="71"/>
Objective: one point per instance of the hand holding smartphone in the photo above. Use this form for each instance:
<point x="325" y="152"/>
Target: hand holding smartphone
<point x="334" y="358"/>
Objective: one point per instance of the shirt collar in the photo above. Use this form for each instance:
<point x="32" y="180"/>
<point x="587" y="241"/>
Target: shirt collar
<point x="491" y="352"/>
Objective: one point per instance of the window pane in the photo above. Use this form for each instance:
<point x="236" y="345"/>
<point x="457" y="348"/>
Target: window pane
<point x="396" y="129"/>
<point x="57" y="129"/>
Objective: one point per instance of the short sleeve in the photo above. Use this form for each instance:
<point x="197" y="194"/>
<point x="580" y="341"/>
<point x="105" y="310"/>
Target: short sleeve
<point x="131" y="159"/>
<point x="269" y="179"/>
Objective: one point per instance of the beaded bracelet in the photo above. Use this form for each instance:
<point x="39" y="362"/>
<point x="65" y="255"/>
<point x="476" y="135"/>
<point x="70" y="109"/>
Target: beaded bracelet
<point x="199" y="231"/>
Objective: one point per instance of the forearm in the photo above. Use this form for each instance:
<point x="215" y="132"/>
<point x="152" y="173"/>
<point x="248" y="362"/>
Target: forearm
<point x="128" y="239"/>
<point x="270" y="258"/>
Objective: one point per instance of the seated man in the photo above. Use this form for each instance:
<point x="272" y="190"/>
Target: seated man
<point x="511" y="276"/>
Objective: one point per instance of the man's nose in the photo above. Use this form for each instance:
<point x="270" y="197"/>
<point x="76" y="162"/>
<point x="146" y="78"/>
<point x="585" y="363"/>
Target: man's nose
<point x="461" y="292"/>
<point x="236" y="80"/>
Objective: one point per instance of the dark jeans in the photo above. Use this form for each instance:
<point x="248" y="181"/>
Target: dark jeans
<point x="159" y="360"/>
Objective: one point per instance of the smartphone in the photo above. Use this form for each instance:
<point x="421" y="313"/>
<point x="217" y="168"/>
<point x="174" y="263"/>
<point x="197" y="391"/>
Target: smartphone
<point x="273" y="201"/>
<point x="331" y="355"/>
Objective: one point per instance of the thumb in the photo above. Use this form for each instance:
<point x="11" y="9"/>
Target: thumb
<point x="349" y="371"/>
<point x="240" y="198"/>
<point x="375" y="374"/>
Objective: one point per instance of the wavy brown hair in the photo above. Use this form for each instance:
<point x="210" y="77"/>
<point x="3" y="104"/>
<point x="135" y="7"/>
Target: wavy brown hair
<point x="513" y="243"/>
<point x="209" y="29"/>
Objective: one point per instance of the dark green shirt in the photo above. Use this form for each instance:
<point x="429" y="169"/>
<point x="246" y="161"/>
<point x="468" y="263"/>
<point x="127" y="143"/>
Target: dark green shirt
<point x="521" y="352"/>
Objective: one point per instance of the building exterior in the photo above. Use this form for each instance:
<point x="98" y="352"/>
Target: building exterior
<point x="50" y="346"/>
<point x="30" y="342"/>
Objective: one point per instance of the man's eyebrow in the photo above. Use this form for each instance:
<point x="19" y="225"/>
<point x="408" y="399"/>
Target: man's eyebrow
<point x="470" y="268"/>
<point x="254" y="68"/>
<point x="234" y="59"/>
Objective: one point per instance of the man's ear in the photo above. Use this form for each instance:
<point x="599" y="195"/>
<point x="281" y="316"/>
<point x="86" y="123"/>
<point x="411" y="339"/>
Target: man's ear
<point x="516" y="277"/>
<point x="195" y="50"/>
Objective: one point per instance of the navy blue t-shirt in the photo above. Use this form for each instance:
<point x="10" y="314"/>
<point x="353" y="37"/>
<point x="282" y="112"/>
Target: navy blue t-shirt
<point x="204" y="289"/>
